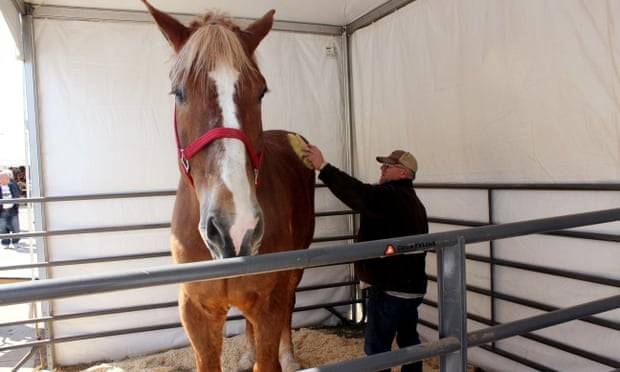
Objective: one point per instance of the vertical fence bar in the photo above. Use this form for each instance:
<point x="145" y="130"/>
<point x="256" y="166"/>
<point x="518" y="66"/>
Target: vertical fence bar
<point x="451" y="288"/>
<point x="491" y="259"/>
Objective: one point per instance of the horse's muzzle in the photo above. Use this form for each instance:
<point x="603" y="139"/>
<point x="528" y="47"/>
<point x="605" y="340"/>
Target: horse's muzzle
<point x="243" y="241"/>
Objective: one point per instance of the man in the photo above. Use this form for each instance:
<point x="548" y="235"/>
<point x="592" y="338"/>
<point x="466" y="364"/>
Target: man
<point x="387" y="210"/>
<point x="9" y="216"/>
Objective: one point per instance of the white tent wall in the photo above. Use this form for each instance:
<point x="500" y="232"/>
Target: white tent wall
<point x="12" y="134"/>
<point x="510" y="91"/>
<point x="11" y="14"/>
<point x="492" y="91"/>
<point x="106" y="127"/>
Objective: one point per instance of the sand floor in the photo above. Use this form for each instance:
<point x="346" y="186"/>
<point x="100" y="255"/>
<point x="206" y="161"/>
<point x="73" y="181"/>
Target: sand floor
<point x="313" y="347"/>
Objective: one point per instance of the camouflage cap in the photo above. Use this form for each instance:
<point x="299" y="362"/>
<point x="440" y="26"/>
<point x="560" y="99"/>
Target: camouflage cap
<point x="400" y="157"/>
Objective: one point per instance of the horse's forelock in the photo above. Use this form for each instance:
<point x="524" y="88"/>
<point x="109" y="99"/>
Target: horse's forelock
<point x="213" y="42"/>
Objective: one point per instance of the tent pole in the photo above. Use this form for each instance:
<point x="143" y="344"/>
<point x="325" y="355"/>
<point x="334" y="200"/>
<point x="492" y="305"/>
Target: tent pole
<point x="35" y="165"/>
<point x="350" y="156"/>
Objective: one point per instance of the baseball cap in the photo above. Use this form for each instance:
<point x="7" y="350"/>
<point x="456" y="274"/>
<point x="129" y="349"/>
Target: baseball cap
<point x="401" y="157"/>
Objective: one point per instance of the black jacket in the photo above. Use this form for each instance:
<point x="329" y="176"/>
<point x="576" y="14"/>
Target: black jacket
<point x="15" y="193"/>
<point x="387" y="210"/>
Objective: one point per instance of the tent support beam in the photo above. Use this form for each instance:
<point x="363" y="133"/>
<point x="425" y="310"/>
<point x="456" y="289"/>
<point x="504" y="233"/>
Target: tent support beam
<point x="20" y="6"/>
<point x="356" y="293"/>
<point x="376" y="14"/>
<point x="110" y="15"/>
<point x="36" y="166"/>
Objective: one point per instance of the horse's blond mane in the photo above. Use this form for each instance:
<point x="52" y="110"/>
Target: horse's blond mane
<point x="214" y="41"/>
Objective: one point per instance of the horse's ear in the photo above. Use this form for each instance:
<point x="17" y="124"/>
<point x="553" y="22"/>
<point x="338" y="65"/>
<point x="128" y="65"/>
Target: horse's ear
<point x="255" y="32"/>
<point x="176" y="33"/>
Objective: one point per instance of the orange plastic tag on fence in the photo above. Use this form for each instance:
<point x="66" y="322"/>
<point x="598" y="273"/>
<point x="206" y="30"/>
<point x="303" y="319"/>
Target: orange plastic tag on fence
<point x="389" y="250"/>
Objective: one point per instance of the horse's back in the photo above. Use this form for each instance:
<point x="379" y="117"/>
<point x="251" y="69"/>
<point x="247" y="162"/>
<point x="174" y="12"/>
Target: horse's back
<point x="286" y="194"/>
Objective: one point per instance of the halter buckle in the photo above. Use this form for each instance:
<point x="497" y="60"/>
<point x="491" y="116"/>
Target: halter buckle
<point x="184" y="162"/>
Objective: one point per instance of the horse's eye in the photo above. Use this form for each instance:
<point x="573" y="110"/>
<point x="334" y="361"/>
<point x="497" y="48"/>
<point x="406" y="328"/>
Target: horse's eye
<point x="179" y="95"/>
<point x="262" y="94"/>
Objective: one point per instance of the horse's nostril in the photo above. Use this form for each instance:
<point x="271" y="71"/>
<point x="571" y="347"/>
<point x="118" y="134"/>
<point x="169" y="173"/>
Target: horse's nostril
<point x="214" y="232"/>
<point x="211" y="227"/>
<point x="252" y="239"/>
<point x="259" y="230"/>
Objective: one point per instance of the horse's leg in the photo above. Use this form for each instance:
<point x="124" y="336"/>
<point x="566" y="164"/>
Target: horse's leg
<point x="268" y="316"/>
<point x="248" y="358"/>
<point x="267" y="340"/>
<point x="286" y="353"/>
<point x="204" y="327"/>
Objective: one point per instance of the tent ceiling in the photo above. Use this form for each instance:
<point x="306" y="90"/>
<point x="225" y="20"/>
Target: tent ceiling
<point x="330" y="12"/>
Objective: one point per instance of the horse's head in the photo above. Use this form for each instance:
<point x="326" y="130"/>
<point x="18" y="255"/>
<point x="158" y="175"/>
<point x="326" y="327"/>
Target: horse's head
<point x="218" y="89"/>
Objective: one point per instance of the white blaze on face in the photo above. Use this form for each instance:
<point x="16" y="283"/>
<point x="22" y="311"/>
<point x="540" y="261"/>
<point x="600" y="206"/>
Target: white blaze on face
<point x="233" y="163"/>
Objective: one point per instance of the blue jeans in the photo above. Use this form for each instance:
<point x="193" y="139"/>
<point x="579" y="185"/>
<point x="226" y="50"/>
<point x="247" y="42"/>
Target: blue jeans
<point x="390" y="317"/>
<point x="9" y="223"/>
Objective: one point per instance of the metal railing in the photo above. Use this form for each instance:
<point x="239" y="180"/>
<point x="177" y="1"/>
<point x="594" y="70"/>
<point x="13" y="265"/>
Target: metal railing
<point x="493" y="262"/>
<point x="451" y="344"/>
<point x="49" y="319"/>
<point x="450" y="245"/>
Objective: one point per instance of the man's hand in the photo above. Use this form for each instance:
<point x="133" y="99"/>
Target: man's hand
<point x="315" y="156"/>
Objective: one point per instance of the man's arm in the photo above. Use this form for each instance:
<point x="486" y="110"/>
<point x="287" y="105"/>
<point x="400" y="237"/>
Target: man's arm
<point x="351" y="191"/>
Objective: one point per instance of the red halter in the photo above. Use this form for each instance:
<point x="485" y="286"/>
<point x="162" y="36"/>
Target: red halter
<point x="185" y="154"/>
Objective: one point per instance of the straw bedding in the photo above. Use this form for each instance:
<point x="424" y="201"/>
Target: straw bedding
<point x="313" y="347"/>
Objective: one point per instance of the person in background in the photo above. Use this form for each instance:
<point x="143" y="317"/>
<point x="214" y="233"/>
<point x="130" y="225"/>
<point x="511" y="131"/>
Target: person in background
<point x="19" y="177"/>
<point x="388" y="209"/>
<point x="9" y="215"/>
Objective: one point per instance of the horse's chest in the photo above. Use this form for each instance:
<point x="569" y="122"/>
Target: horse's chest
<point x="240" y="292"/>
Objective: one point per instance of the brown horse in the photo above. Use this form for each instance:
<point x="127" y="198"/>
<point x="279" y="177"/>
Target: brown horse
<point x="243" y="191"/>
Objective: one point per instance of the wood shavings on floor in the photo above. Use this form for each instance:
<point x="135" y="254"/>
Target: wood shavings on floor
<point x="312" y="348"/>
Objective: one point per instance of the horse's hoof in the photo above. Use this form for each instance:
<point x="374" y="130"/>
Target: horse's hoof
<point x="289" y="364"/>
<point x="291" y="367"/>
<point x="246" y="362"/>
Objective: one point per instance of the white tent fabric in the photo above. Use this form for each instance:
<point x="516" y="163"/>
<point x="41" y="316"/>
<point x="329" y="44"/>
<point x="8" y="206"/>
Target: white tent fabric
<point x="330" y="12"/>
<point x="492" y="91"/>
<point x="12" y="134"/>
<point x="511" y="91"/>
<point x="11" y="16"/>
<point x="106" y="127"/>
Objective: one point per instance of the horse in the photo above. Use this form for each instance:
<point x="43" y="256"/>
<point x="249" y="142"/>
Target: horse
<point x="243" y="191"/>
